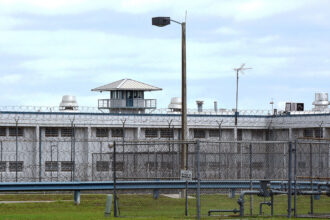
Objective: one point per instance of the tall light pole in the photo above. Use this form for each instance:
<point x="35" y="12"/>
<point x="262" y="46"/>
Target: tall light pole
<point x="238" y="70"/>
<point x="161" y="22"/>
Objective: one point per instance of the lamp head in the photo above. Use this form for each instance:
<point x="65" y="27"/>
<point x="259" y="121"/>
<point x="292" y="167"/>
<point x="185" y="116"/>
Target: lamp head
<point x="161" y="21"/>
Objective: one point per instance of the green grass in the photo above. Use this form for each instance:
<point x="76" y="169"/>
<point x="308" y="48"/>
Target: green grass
<point x="140" y="206"/>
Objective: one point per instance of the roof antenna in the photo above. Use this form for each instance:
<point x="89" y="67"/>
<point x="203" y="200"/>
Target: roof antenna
<point x="185" y="18"/>
<point x="239" y="70"/>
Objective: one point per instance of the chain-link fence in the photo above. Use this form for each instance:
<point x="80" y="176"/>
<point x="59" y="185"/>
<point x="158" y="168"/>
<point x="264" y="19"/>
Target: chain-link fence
<point x="227" y="169"/>
<point x="312" y="165"/>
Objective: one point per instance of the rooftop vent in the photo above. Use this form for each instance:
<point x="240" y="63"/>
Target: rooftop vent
<point x="321" y="101"/>
<point x="199" y="105"/>
<point x="175" y="104"/>
<point x="69" y="103"/>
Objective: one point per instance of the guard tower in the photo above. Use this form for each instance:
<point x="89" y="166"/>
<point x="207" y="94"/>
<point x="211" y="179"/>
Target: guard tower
<point x="127" y="96"/>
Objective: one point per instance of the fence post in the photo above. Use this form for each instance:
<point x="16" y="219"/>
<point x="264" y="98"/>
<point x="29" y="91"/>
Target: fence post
<point x="1" y="157"/>
<point x="289" y="179"/>
<point x="311" y="176"/>
<point x="198" y="180"/>
<point x="40" y="168"/>
<point x="114" y="181"/>
<point x="16" y="120"/>
<point x="251" y="196"/>
<point x="295" y="178"/>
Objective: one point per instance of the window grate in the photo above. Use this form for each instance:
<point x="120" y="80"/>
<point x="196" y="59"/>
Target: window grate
<point x="51" y="166"/>
<point x="3" y="166"/>
<point x="119" y="166"/>
<point x="12" y="166"/>
<point x="308" y="133"/>
<point x="12" y="131"/>
<point x="318" y="132"/>
<point x="67" y="166"/>
<point x="166" y="133"/>
<point x="66" y="132"/>
<point x="151" y="133"/>
<point x="214" y="133"/>
<point x="3" y="131"/>
<point x="102" y="132"/>
<point x="117" y="132"/>
<point x="199" y="133"/>
<point x="102" y="166"/>
<point x="51" y="132"/>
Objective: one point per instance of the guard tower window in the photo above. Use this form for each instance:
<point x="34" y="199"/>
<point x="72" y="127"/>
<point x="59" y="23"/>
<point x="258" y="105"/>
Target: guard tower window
<point x="214" y="133"/>
<point x="2" y="131"/>
<point x="102" y="132"/>
<point x="66" y="132"/>
<point x="12" y="131"/>
<point x="51" y="132"/>
<point x="117" y="132"/>
<point x="12" y="166"/>
<point x="199" y="133"/>
<point x="166" y="133"/>
<point x="151" y="133"/>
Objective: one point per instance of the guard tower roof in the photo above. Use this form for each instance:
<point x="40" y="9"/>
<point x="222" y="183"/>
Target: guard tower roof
<point x="127" y="84"/>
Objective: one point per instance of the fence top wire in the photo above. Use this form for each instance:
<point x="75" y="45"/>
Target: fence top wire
<point x="245" y="142"/>
<point x="153" y="142"/>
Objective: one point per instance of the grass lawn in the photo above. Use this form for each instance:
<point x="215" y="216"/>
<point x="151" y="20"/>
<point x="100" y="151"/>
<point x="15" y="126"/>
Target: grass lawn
<point x="140" y="206"/>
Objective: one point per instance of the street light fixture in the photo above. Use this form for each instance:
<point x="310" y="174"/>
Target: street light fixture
<point x="161" y="22"/>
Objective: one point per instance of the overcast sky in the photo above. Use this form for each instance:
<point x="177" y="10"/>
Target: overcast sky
<point x="53" y="48"/>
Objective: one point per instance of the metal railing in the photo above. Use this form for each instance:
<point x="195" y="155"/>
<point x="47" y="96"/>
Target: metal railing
<point x="127" y="103"/>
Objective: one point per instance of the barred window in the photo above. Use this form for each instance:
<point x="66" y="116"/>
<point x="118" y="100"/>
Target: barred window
<point x="214" y="133"/>
<point x="102" y="166"/>
<point x="12" y="131"/>
<point x="239" y="134"/>
<point x="51" y="132"/>
<point x="301" y="164"/>
<point x="67" y="166"/>
<point x="2" y="131"/>
<point x="117" y="132"/>
<point x="51" y="166"/>
<point x="269" y="135"/>
<point x="199" y="133"/>
<point x="119" y="166"/>
<point x="166" y="133"/>
<point x="308" y="132"/>
<point x="3" y="166"/>
<point x="12" y="166"/>
<point x="318" y="132"/>
<point x="257" y="165"/>
<point x="150" y="165"/>
<point x="166" y="165"/>
<point x="151" y="133"/>
<point x="66" y="132"/>
<point x="102" y="132"/>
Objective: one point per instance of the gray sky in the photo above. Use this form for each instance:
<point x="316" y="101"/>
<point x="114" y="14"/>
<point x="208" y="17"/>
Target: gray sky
<point x="52" y="48"/>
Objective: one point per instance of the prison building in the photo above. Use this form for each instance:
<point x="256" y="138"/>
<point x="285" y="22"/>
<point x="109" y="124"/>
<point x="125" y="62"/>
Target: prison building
<point x="70" y="142"/>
